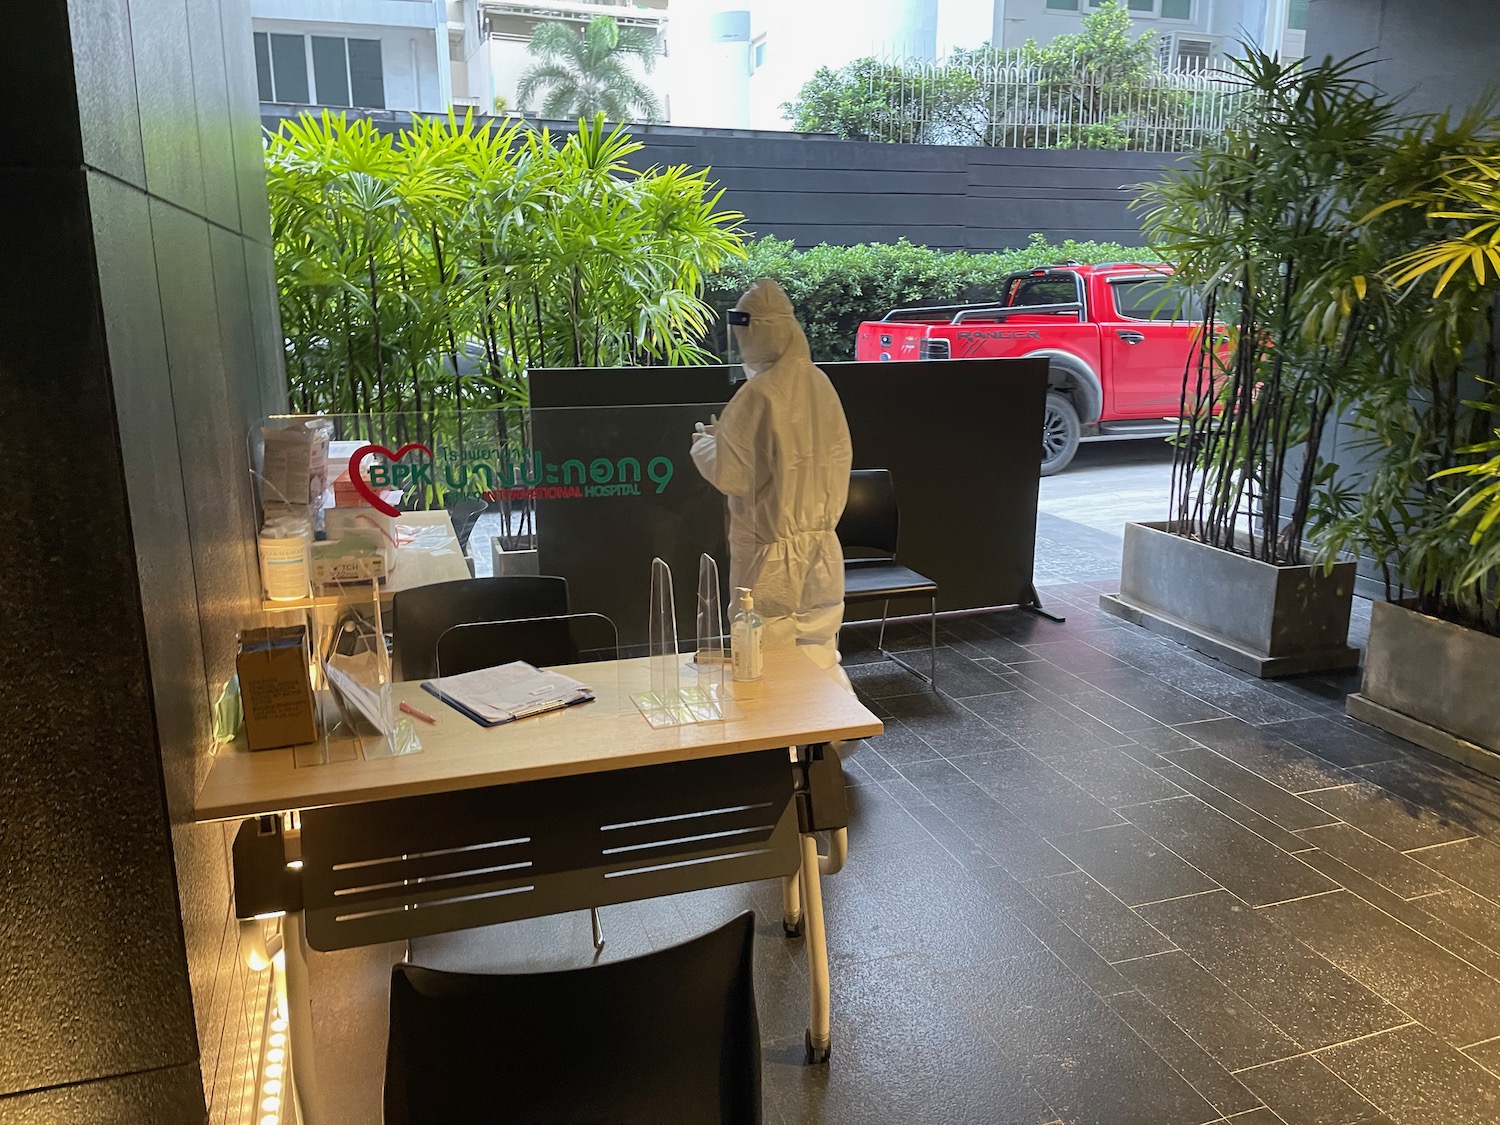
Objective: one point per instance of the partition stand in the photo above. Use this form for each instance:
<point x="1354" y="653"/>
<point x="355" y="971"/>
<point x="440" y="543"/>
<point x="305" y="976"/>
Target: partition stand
<point x="1033" y="604"/>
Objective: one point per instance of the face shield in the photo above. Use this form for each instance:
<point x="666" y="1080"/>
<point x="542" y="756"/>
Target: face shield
<point x="735" y="322"/>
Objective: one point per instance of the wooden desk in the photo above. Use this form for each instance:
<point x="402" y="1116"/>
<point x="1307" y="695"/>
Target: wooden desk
<point x="432" y="554"/>
<point x="580" y="808"/>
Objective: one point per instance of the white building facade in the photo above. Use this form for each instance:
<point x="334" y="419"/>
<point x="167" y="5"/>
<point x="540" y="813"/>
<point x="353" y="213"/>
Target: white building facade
<point x="363" y="54"/>
<point x="724" y="63"/>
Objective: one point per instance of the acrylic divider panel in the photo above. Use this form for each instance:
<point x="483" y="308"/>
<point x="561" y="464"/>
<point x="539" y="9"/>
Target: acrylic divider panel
<point x="589" y="494"/>
<point x="684" y="689"/>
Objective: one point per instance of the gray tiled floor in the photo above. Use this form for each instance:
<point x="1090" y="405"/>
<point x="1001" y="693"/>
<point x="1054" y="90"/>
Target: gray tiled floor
<point x="1101" y="880"/>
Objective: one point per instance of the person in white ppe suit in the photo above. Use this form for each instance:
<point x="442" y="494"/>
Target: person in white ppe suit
<point x="781" y="455"/>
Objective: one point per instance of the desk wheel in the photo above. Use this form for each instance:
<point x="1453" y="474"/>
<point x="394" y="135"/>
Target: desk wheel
<point x="816" y="1056"/>
<point x="792" y="929"/>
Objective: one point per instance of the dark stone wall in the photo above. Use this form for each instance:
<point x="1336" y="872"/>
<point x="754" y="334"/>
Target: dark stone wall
<point x="1438" y="53"/>
<point x="813" y="189"/>
<point x="138" y="343"/>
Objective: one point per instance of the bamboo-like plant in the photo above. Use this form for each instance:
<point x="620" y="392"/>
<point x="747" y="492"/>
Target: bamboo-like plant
<point x="431" y="269"/>
<point x="1257" y="224"/>
<point x="421" y="275"/>
<point x="1424" y="500"/>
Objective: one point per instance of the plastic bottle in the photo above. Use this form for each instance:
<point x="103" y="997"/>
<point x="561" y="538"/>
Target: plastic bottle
<point x="285" y="569"/>
<point x="747" y="634"/>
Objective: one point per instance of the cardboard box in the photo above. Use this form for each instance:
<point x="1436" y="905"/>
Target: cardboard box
<point x="275" y="690"/>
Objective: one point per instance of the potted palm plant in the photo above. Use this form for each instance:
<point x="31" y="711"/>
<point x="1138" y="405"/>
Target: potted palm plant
<point x="1256" y="224"/>
<point x="1424" y="507"/>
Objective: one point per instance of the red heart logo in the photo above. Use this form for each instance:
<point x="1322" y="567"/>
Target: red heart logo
<point x="356" y="478"/>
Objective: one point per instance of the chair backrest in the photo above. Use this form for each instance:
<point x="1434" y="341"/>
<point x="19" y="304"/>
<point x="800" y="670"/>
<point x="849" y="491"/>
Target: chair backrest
<point x="422" y="614"/>
<point x="670" y="1038"/>
<point x="543" y="641"/>
<point x="871" y="520"/>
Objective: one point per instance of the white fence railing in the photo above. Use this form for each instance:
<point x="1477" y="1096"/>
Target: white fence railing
<point x="1044" y="106"/>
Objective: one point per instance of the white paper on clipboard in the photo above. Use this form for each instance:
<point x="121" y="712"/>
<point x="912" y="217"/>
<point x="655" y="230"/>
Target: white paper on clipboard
<point x="355" y="697"/>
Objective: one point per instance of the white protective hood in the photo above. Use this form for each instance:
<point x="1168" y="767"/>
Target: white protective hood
<point x="781" y="454"/>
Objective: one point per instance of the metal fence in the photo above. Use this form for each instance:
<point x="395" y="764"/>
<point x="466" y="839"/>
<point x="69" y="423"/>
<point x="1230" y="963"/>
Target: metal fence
<point x="1068" y="106"/>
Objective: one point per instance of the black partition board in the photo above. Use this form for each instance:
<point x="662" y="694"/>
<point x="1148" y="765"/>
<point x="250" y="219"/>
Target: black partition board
<point x="604" y="546"/>
<point x="961" y="437"/>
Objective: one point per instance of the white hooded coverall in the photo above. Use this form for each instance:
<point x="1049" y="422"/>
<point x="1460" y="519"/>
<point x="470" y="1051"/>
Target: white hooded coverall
<point x="781" y="454"/>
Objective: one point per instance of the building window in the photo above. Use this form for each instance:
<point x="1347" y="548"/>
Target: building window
<point x="1166" y="9"/>
<point x="1296" y="15"/>
<point x="1062" y="5"/>
<point x="759" y="58"/>
<point x="343" y="72"/>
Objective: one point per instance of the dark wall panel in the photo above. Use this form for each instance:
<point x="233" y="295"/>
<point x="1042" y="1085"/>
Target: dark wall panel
<point x="1437" y="53"/>
<point x="963" y="453"/>
<point x="94" y="962"/>
<point x="139" y="340"/>
<point x="812" y="189"/>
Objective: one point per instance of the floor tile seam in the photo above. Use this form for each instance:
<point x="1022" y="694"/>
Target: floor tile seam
<point x="1316" y="1051"/>
<point x="1226" y="816"/>
<point x="1030" y="1083"/>
<point x="1274" y="784"/>
<point x="1236" y="994"/>
<point x="1215" y="889"/>
<point x="1333" y="890"/>
<point x="1020" y="813"/>
<point x="1319" y="955"/>
<point x="1407" y="925"/>
<point x="1168" y="1062"/>
<point x="1443" y="844"/>
<point x="1260" y="816"/>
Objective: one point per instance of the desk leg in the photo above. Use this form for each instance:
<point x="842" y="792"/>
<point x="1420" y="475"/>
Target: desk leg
<point x="791" y="904"/>
<point x="304" y="1087"/>
<point x="818" y="1035"/>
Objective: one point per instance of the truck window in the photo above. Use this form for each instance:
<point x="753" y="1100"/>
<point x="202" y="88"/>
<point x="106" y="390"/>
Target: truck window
<point x="1052" y="289"/>
<point x="1154" y="299"/>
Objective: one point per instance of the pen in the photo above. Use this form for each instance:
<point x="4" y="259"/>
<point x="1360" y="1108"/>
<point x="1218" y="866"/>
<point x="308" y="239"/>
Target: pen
<point x="412" y="711"/>
<point x="540" y="708"/>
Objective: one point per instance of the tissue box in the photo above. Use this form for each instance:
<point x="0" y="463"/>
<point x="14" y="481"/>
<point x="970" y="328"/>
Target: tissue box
<point x="352" y="559"/>
<point x="275" y="690"/>
<point x="362" y="522"/>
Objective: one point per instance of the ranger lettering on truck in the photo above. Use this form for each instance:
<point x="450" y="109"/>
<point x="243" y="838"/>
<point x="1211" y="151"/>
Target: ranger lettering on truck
<point x="1117" y="339"/>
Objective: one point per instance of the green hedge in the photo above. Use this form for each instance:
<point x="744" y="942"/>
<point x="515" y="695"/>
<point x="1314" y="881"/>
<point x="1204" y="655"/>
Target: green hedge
<point x="834" y="288"/>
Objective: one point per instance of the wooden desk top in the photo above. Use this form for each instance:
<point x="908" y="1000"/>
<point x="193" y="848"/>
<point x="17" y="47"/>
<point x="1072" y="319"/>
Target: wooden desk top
<point x="433" y="555"/>
<point x="794" y="703"/>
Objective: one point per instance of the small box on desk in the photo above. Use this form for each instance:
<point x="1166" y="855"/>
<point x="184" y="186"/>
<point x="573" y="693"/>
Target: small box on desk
<point x="275" y="690"/>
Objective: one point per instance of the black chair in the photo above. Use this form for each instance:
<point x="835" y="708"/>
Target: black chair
<point x="871" y="523"/>
<point x="544" y="641"/>
<point x="670" y="1038"/>
<point x="422" y="614"/>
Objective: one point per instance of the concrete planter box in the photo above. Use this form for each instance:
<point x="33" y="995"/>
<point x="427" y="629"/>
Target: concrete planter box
<point x="1433" y="683"/>
<point x="1264" y="619"/>
<point x="504" y="563"/>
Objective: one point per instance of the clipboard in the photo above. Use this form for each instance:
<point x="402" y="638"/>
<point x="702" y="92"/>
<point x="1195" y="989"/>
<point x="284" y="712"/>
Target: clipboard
<point x="555" y="705"/>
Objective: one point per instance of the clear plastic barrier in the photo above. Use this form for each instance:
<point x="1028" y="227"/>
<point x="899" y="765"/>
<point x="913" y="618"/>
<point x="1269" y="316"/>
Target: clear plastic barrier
<point x="355" y="509"/>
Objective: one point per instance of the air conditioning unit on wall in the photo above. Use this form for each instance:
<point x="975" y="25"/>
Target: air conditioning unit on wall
<point x="1190" y="53"/>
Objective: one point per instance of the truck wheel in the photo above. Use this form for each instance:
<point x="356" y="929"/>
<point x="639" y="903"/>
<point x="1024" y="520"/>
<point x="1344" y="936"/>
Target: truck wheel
<point x="1060" y="433"/>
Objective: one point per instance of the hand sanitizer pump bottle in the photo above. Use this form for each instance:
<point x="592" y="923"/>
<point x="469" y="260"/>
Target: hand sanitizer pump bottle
<point x="746" y="638"/>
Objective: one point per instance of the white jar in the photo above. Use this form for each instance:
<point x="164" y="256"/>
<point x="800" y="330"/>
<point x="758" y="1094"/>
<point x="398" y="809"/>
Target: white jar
<point x="285" y="564"/>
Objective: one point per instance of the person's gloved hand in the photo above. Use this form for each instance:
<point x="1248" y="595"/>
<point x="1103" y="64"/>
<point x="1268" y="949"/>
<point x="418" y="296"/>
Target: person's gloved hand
<point x="710" y="429"/>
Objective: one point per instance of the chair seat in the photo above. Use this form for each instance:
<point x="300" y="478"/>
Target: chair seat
<point x="878" y="578"/>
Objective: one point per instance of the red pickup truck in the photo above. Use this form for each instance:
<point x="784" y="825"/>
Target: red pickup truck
<point x="1117" y="338"/>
